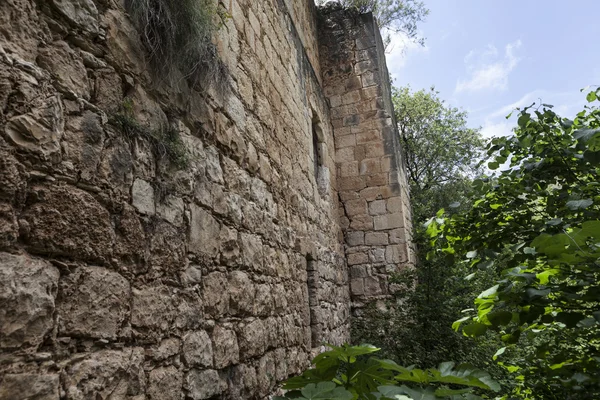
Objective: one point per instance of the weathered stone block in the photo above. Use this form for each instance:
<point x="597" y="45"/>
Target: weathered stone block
<point x="377" y="255"/>
<point x="351" y="183"/>
<point x="225" y="345"/>
<point x="377" y="207"/>
<point x="355" y="238"/>
<point x="378" y="179"/>
<point x="241" y="293"/>
<point x="27" y="294"/>
<point x="376" y="238"/>
<point x="357" y="287"/>
<point x="204" y="232"/>
<point x="398" y="236"/>
<point x="394" y="204"/>
<point x="396" y="253"/>
<point x="63" y="220"/>
<point x="252" y="338"/>
<point x="197" y="349"/>
<point x="389" y="221"/>
<point x="361" y="222"/>
<point x="165" y="383"/>
<point x="358" y="271"/>
<point x="29" y="386"/>
<point x="171" y="209"/>
<point x="204" y="384"/>
<point x="263" y="301"/>
<point x="142" y="197"/>
<point x="215" y="294"/>
<point x="252" y="253"/>
<point x="93" y="302"/>
<point x="152" y="308"/>
<point x="372" y="286"/>
<point x="358" y="258"/>
<point x="348" y="169"/>
<point x="355" y="207"/>
<point x="104" y="374"/>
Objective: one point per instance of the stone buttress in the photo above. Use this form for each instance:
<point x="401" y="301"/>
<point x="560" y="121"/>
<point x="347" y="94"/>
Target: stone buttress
<point x="372" y="187"/>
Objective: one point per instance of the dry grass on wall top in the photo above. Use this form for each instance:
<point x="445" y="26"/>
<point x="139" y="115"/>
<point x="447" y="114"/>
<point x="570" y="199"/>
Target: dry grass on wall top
<point x="178" y="35"/>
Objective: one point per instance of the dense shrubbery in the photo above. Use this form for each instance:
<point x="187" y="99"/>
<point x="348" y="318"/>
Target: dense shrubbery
<point x="350" y="372"/>
<point x="536" y="226"/>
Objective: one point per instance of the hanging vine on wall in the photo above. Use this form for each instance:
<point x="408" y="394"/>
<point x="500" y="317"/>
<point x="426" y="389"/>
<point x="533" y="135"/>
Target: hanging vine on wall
<point x="165" y="141"/>
<point x="178" y="35"/>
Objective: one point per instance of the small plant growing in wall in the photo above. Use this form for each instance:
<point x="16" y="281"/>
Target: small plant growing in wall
<point x="178" y="35"/>
<point x="165" y="140"/>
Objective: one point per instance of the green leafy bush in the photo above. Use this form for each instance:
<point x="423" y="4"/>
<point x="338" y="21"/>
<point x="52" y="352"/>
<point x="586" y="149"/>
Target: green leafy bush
<point x="349" y="372"/>
<point x="542" y="214"/>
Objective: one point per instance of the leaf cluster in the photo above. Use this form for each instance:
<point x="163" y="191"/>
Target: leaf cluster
<point x="541" y="217"/>
<point x="350" y="372"/>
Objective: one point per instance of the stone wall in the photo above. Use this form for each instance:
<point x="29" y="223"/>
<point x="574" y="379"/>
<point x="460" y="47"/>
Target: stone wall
<point x="123" y="276"/>
<point x="372" y="185"/>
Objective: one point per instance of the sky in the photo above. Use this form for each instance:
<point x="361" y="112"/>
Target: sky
<point x="488" y="57"/>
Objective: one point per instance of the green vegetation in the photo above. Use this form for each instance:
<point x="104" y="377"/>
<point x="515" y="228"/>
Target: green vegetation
<point x="542" y="216"/>
<point x="440" y="151"/>
<point x="395" y="15"/>
<point x="350" y="372"/>
<point x="165" y="140"/>
<point x="178" y="34"/>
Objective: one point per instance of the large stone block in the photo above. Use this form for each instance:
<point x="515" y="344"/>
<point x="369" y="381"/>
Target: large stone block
<point x="204" y="384"/>
<point x="93" y="302"/>
<point x="29" y="387"/>
<point x="152" y="308"/>
<point x="63" y="220"/>
<point x="252" y="338"/>
<point x="225" y="345"/>
<point x="389" y="221"/>
<point x="117" y="374"/>
<point x="165" y="383"/>
<point x="197" y="349"/>
<point x="215" y="294"/>
<point x="241" y="293"/>
<point x="204" y="232"/>
<point x="27" y="296"/>
<point x="252" y="253"/>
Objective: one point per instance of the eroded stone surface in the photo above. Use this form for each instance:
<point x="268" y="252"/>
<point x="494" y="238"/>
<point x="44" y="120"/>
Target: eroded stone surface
<point x="29" y="386"/>
<point x="28" y="289"/>
<point x="93" y="302"/>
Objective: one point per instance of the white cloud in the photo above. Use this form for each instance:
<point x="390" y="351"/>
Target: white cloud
<point x="490" y="129"/>
<point x="399" y="49"/>
<point x="487" y="70"/>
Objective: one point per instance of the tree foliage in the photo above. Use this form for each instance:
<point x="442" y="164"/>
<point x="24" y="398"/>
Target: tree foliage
<point x="537" y="225"/>
<point x="394" y="15"/>
<point x="441" y="152"/>
<point x="350" y="372"/>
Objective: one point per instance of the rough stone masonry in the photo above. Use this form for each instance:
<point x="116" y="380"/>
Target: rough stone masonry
<point x="124" y="277"/>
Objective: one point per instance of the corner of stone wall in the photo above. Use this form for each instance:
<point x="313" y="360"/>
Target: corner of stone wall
<point x="372" y="186"/>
